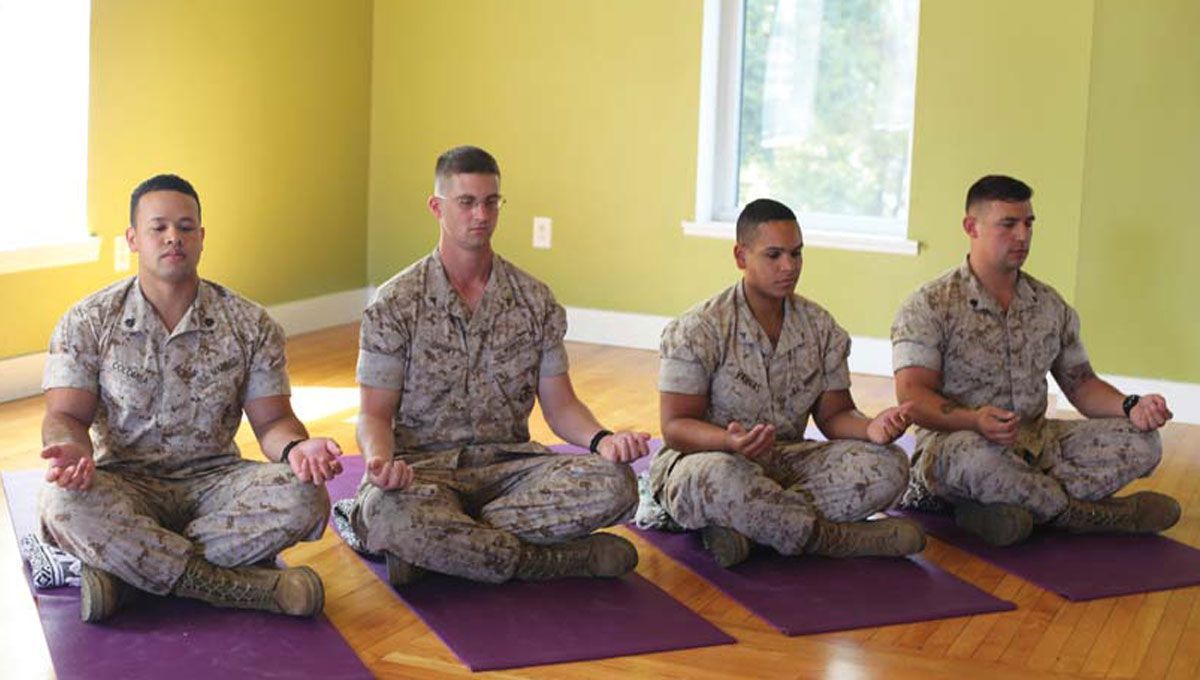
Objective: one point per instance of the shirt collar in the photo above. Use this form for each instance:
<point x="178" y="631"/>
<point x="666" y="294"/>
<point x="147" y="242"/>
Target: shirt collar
<point x="137" y="313"/>
<point x="980" y="299"/>
<point x="790" y="335"/>
<point x="497" y="294"/>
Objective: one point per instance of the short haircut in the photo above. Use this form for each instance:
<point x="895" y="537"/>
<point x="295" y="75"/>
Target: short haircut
<point x="757" y="212"/>
<point x="997" y="188"/>
<point x="464" y="160"/>
<point x="161" y="183"/>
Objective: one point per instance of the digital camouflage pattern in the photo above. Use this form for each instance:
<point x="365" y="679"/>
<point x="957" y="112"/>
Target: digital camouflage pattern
<point x="467" y="383"/>
<point x="170" y="480"/>
<point x="988" y="356"/>
<point x="718" y="348"/>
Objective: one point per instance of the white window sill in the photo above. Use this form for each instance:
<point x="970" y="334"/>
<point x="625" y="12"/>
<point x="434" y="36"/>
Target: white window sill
<point x="27" y="258"/>
<point x="815" y="238"/>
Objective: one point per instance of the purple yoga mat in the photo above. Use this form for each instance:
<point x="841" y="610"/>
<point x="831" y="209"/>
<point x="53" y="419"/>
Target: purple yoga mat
<point x="1080" y="567"/>
<point x="805" y="595"/>
<point x="516" y="624"/>
<point x="166" y="637"/>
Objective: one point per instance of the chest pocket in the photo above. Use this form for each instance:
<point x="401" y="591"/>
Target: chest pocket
<point x="130" y="386"/>
<point x="217" y="385"/>
<point x="436" y="364"/>
<point x="739" y="390"/>
<point x="514" y="358"/>
<point x="802" y="380"/>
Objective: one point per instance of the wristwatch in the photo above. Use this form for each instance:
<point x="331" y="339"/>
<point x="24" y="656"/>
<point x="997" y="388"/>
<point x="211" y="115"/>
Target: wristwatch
<point x="1129" y="403"/>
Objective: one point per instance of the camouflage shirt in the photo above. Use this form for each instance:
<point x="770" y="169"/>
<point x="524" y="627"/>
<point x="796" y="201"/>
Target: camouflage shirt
<point x="169" y="403"/>
<point x="985" y="355"/>
<point x="464" y="378"/>
<point x="718" y="348"/>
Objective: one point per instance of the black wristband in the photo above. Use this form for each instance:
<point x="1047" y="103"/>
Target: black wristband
<point x="593" y="447"/>
<point x="1130" y="401"/>
<point x="283" y="457"/>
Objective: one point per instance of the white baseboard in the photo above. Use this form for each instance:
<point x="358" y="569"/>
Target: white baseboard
<point x="22" y="376"/>
<point x="868" y="356"/>
<point x="323" y="311"/>
<point x="623" y="329"/>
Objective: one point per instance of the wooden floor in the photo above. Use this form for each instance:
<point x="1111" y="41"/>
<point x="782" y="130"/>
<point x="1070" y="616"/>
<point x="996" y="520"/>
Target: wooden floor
<point x="1152" y="636"/>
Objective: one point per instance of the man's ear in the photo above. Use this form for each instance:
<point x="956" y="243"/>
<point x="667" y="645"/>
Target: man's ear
<point x="971" y="225"/>
<point x="435" y="206"/>
<point x="739" y="255"/>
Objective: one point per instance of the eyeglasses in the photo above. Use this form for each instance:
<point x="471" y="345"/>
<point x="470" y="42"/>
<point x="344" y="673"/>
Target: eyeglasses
<point x="468" y="203"/>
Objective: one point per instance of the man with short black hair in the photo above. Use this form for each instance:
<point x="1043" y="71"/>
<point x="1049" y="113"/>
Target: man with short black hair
<point x="160" y="367"/>
<point x="971" y="350"/>
<point x="740" y="375"/>
<point x="453" y="352"/>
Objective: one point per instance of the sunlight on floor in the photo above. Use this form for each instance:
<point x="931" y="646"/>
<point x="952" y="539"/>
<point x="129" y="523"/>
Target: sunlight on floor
<point x="315" y="403"/>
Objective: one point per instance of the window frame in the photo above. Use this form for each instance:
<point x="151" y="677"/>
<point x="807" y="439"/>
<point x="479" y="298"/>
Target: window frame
<point x="717" y="148"/>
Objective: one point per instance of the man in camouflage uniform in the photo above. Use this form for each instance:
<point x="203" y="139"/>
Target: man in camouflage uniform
<point x="740" y="375"/>
<point x="453" y="351"/>
<point x="160" y="367"/>
<point x="971" y="350"/>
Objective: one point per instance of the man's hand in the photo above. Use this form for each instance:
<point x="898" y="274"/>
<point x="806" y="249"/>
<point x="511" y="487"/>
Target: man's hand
<point x="316" y="460"/>
<point x="889" y="424"/>
<point x="1150" y="413"/>
<point x="757" y="442"/>
<point x="624" y="446"/>
<point x="389" y="474"/>
<point x="997" y="424"/>
<point x="71" y="467"/>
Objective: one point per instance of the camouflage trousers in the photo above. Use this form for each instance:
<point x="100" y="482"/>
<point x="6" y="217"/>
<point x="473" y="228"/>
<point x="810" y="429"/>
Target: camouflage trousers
<point x="1085" y="459"/>
<point x="470" y="521"/>
<point x="144" y="529"/>
<point x="775" y="501"/>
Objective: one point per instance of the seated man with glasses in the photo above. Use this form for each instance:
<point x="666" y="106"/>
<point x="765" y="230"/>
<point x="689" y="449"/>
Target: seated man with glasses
<point x="453" y="352"/>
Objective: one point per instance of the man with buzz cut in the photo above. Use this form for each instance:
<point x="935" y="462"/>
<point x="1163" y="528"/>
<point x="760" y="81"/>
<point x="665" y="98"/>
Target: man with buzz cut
<point x="741" y="373"/>
<point x="971" y="350"/>
<point x="453" y="352"/>
<point x="160" y="368"/>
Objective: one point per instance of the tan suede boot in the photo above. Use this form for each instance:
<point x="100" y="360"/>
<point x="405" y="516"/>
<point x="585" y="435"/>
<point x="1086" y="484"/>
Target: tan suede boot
<point x="728" y="546"/>
<point x="401" y="573"/>
<point x="1145" y="512"/>
<point x="296" y="591"/>
<point x="999" y="524"/>
<point x="881" y="538"/>
<point x="101" y="594"/>
<point x="598" y="555"/>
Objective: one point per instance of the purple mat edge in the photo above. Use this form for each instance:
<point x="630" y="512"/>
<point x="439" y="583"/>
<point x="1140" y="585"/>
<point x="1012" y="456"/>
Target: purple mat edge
<point x="717" y="637"/>
<point x="493" y="664"/>
<point x="995" y="604"/>
<point x="1073" y="592"/>
<point x="51" y="602"/>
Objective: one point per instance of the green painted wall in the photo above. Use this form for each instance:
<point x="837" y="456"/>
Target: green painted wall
<point x="591" y="109"/>
<point x="264" y="106"/>
<point x="1137" y="283"/>
<point x="311" y="127"/>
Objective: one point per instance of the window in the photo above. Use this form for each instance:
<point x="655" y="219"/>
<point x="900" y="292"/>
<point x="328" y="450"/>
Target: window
<point x="809" y="102"/>
<point x="44" y="62"/>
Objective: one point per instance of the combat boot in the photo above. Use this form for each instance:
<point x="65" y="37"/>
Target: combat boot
<point x="999" y="524"/>
<point x="728" y="546"/>
<point x="101" y="594"/>
<point x="400" y="572"/>
<point x="881" y="538"/>
<point x="1145" y="512"/>
<point x="296" y="591"/>
<point x="598" y="555"/>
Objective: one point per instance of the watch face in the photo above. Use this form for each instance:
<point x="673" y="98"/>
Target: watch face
<point x="1129" y="403"/>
